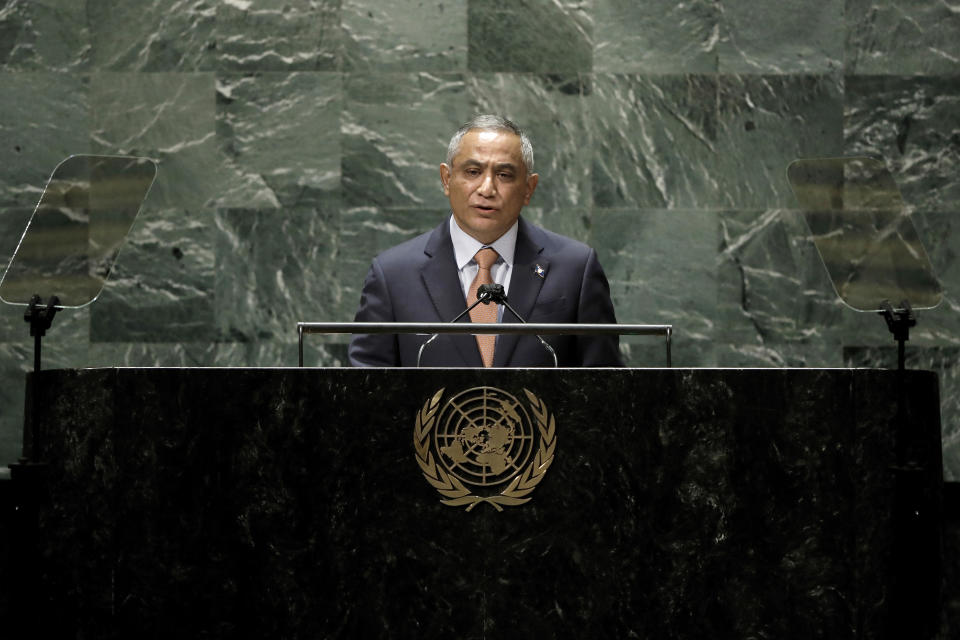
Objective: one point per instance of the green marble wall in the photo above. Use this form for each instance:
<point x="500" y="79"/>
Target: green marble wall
<point x="297" y="138"/>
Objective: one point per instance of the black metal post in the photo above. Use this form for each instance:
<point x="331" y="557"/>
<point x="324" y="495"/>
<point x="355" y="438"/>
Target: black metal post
<point x="899" y="322"/>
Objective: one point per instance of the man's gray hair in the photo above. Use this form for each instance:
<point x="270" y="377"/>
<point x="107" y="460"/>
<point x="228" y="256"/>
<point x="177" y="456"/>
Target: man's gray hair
<point x="489" y="122"/>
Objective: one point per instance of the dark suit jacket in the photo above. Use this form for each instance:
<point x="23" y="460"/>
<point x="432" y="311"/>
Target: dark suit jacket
<point x="417" y="281"/>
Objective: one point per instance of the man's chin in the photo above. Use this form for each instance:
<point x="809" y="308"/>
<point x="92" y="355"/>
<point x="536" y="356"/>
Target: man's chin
<point x="485" y="227"/>
<point x="487" y="233"/>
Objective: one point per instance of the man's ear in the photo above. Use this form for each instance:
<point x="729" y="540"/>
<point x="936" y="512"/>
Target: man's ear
<point x="532" y="180"/>
<point x="445" y="178"/>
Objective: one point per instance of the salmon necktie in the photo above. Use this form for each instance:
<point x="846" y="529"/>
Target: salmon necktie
<point x="485" y="258"/>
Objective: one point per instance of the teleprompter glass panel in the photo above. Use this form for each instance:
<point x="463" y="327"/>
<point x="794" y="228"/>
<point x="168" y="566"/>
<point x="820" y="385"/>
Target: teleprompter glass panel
<point x="77" y="229"/>
<point x="863" y="232"/>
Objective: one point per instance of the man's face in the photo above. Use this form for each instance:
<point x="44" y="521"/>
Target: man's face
<point x="488" y="183"/>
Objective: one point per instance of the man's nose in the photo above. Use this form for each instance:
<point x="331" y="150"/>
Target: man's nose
<point x="488" y="186"/>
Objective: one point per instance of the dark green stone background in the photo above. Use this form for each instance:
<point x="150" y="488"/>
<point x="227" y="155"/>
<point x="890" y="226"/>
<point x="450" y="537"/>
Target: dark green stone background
<point x="297" y="138"/>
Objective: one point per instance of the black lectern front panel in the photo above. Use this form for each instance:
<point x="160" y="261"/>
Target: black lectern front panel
<point x="349" y="503"/>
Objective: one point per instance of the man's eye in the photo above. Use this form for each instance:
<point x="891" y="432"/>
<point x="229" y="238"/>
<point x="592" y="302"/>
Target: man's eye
<point x="472" y="172"/>
<point x="506" y="176"/>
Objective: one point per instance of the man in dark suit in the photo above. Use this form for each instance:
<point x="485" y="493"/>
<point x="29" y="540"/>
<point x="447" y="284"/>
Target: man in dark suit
<point x="488" y="177"/>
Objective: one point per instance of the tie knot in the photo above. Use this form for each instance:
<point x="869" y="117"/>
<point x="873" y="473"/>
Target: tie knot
<point x="486" y="257"/>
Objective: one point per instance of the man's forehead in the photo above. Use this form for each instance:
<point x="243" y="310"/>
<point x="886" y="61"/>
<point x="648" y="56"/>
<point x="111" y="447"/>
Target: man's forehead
<point x="506" y="140"/>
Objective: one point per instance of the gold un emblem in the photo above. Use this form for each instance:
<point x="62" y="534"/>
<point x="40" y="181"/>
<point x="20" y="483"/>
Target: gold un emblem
<point x="482" y="441"/>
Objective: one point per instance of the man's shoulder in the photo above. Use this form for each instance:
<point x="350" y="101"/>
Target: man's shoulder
<point x="412" y="249"/>
<point x="554" y="242"/>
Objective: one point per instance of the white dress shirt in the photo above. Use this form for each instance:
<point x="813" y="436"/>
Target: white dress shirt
<point x="466" y="246"/>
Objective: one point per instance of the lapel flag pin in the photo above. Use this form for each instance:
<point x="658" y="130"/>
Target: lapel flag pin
<point x="539" y="271"/>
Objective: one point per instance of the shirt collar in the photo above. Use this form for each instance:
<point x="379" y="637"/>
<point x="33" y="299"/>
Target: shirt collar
<point x="466" y="246"/>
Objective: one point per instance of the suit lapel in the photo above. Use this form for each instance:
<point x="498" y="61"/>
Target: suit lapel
<point x="524" y="287"/>
<point x="440" y="278"/>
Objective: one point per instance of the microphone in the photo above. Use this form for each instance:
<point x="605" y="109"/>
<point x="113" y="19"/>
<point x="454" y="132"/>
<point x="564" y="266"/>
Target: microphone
<point x="487" y="293"/>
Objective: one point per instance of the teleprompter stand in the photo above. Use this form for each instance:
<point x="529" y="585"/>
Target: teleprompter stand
<point x="66" y="252"/>
<point x="40" y="316"/>
<point x="864" y="234"/>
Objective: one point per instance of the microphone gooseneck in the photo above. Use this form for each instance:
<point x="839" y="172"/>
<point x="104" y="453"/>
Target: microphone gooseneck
<point x="487" y="293"/>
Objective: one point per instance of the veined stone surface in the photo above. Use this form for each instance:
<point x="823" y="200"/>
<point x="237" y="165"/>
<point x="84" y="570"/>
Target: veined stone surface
<point x="153" y="35"/>
<point x="661" y="36"/>
<point x="914" y="124"/>
<point x="46" y="35"/>
<point x="44" y="117"/>
<point x="161" y="287"/>
<point x="641" y="277"/>
<point x="280" y="136"/>
<point x="766" y="122"/>
<point x="655" y="141"/>
<point x="394" y="133"/>
<point x="786" y="37"/>
<point x="773" y="287"/>
<point x="298" y="138"/>
<point x="277" y="35"/>
<point x="890" y="37"/>
<point x="545" y="36"/>
<point x="273" y="268"/>
<point x="404" y="35"/>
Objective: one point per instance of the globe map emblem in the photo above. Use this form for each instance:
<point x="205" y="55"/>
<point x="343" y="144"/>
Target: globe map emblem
<point x="485" y="436"/>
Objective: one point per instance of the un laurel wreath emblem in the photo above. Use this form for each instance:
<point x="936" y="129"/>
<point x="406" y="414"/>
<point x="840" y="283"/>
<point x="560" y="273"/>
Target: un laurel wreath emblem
<point x="483" y="446"/>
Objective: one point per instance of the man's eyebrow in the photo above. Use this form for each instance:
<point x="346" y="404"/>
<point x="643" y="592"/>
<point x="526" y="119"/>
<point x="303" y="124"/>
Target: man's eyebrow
<point x="472" y="162"/>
